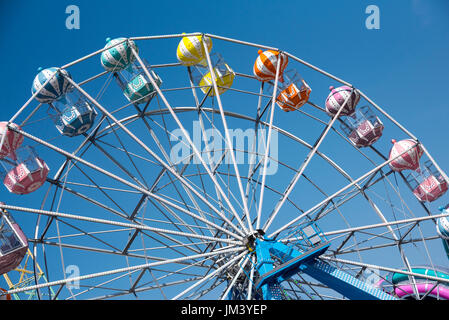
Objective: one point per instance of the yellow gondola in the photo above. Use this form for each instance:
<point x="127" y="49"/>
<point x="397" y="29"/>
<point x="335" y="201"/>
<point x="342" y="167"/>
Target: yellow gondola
<point x="224" y="79"/>
<point x="191" y="50"/>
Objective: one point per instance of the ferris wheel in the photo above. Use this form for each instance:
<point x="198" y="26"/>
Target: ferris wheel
<point x="214" y="168"/>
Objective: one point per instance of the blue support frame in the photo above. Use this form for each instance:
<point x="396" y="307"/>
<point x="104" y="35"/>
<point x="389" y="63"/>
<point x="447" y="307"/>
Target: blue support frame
<point x="344" y="283"/>
<point x="271" y="277"/>
<point x="305" y="260"/>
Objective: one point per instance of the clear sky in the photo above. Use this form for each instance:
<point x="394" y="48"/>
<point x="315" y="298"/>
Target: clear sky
<point x="403" y="65"/>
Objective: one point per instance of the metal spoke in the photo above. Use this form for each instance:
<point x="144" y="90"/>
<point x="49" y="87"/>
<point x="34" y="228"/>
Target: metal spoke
<point x="192" y="145"/>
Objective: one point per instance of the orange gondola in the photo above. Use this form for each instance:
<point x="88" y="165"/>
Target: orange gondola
<point x="266" y="64"/>
<point x="294" y="92"/>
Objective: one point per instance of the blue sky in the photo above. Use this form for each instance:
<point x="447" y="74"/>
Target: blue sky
<point x="403" y="66"/>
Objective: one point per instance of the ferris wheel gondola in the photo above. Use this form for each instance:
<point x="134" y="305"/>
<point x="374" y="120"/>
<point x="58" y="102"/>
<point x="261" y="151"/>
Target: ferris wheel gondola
<point x="13" y="243"/>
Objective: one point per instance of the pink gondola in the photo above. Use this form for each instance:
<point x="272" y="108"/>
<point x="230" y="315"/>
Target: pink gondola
<point x="25" y="172"/>
<point x="363" y="128"/>
<point x="427" y="183"/>
<point x="431" y="189"/>
<point x="11" y="141"/>
<point x="408" y="160"/>
<point x="337" y="98"/>
<point x="13" y="243"/>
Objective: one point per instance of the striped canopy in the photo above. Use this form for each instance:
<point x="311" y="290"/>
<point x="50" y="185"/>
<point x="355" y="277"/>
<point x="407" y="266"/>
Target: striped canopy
<point x="53" y="89"/>
<point x="410" y="159"/>
<point x="191" y="50"/>
<point x="337" y="98"/>
<point x="266" y="64"/>
<point x="119" y="54"/>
